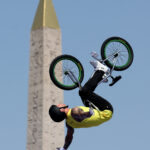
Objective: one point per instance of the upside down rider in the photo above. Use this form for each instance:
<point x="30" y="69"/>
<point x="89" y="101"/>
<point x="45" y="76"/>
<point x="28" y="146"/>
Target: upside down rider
<point x="84" y="116"/>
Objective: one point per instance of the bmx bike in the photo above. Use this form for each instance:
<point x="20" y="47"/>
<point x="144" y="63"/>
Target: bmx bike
<point x="67" y="72"/>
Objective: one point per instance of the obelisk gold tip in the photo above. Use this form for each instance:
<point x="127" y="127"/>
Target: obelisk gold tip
<point x="45" y="16"/>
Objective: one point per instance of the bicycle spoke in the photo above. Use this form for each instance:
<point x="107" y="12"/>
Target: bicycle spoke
<point x="69" y="66"/>
<point x="117" y="47"/>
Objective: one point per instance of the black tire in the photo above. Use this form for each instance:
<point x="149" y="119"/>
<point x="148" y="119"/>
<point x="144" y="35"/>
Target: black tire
<point x="60" y="65"/>
<point x="114" y="44"/>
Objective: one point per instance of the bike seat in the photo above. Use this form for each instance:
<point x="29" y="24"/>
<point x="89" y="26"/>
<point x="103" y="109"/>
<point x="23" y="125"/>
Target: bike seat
<point x="114" y="80"/>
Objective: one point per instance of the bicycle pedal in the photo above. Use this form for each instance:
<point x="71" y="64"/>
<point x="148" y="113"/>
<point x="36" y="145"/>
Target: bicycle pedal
<point x="114" y="80"/>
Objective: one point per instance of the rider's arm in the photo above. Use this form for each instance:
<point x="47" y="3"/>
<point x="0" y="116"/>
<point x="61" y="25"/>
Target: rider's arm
<point x="69" y="136"/>
<point x="79" y="115"/>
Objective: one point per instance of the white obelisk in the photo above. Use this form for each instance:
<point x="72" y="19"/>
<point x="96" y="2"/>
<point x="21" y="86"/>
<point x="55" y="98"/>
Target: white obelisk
<point x="42" y="132"/>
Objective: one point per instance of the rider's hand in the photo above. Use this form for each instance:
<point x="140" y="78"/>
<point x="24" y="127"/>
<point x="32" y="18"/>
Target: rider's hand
<point x="91" y="112"/>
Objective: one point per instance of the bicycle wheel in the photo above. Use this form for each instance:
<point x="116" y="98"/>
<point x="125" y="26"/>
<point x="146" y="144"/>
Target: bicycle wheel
<point x="116" y="47"/>
<point x="59" y="68"/>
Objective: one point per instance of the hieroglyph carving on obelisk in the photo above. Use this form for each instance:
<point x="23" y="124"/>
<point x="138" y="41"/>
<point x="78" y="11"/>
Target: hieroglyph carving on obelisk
<point x="45" y="45"/>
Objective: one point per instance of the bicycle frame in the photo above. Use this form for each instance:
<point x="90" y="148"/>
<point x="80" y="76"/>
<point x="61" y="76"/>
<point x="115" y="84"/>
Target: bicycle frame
<point x="111" y="70"/>
<point x="108" y="74"/>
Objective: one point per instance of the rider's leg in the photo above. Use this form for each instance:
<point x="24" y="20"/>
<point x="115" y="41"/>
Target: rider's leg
<point x="92" y="83"/>
<point x="86" y="93"/>
<point x="97" y="100"/>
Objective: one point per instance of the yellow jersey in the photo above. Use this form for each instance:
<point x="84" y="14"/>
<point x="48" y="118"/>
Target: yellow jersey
<point x="96" y="119"/>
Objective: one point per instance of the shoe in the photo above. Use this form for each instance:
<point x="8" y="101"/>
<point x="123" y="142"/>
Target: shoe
<point x="94" y="55"/>
<point x="99" y="66"/>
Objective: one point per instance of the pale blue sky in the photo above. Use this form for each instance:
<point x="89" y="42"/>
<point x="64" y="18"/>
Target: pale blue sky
<point x="85" y="24"/>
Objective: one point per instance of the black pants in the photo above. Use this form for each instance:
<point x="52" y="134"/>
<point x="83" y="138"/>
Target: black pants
<point x="86" y="93"/>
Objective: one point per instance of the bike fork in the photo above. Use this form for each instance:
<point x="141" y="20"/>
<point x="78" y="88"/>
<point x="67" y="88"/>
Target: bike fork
<point x="74" y="79"/>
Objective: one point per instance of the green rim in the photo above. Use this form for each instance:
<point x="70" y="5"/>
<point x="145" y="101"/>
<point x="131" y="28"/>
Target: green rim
<point x="129" y="52"/>
<point x="77" y="64"/>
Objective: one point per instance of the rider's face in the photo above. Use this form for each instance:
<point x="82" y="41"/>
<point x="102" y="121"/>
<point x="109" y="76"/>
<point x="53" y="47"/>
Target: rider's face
<point x="62" y="105"/>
